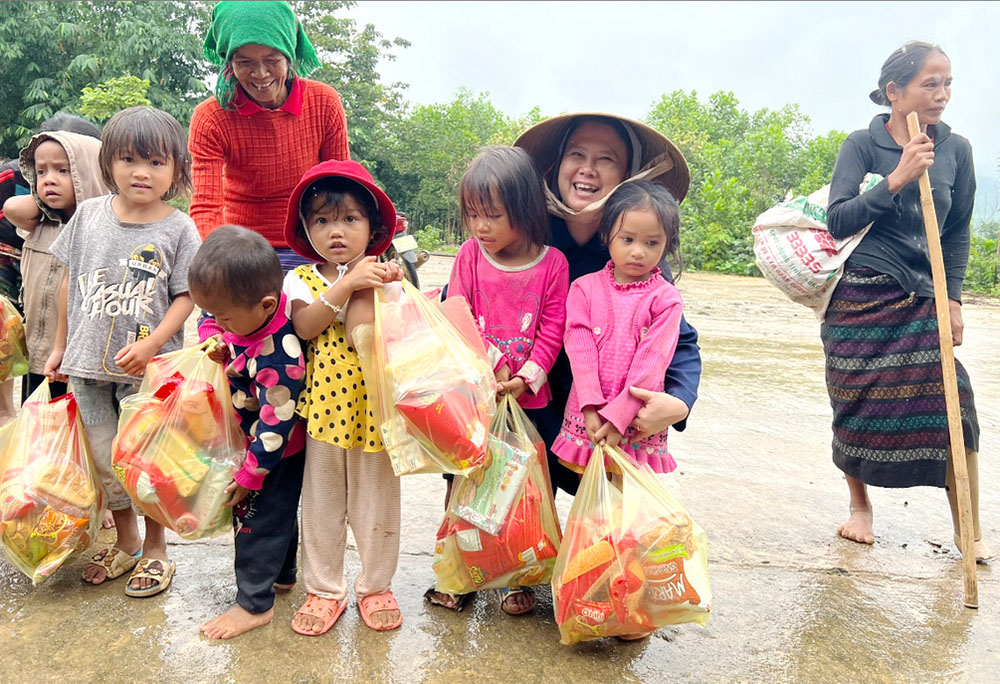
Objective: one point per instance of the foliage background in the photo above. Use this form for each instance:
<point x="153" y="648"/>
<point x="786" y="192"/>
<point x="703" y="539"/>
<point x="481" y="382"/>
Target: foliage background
<point x="93" y="58"/>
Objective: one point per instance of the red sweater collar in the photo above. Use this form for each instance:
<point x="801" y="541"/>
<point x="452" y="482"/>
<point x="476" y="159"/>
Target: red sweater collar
<point x="293" y="103"/>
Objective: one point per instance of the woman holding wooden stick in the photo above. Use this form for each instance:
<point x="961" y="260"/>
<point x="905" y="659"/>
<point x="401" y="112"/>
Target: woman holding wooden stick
<point x="883" y="360"/>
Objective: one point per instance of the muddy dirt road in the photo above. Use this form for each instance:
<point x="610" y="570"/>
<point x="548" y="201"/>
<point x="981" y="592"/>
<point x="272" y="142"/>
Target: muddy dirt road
<point x="793" y="603"/>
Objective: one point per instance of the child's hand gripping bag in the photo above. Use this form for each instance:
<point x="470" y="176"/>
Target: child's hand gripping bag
<point x="632" y="560"/>
<point x="51" y="499"/>
<point x="501" y="528"/>
<point x="13" y="349"/>
<point x="179" y="443"/>
<point x="431" y="382"/>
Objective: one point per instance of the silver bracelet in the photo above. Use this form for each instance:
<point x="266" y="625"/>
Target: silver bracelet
<point x="333" y="307"/>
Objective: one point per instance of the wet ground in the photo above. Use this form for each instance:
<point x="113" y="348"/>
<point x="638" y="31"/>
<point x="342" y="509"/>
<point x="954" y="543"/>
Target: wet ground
<point x="793" y="603"/>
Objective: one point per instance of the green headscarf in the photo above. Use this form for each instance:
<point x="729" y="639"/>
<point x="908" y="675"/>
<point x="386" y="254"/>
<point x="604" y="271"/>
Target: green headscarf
<point x="235" y="24"/>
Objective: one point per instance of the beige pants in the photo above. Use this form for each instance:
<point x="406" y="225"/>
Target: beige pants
<point x="348" y="486"/>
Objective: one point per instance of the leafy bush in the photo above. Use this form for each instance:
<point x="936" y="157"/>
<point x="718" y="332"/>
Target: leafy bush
<point x="112" y="96"/>
<point x="429" y="238"/>
<point x="981" y="276"/>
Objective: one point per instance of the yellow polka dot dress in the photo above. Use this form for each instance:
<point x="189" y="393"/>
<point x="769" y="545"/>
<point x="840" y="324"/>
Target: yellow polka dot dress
<point x="334" y="401"/>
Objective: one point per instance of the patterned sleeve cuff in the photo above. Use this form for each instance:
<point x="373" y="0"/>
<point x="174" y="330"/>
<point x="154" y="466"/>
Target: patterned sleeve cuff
<point x="496" y="357"/>
<point x="534" y="375"/>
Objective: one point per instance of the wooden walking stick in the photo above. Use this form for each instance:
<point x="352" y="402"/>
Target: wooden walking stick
<point x="958" y="462"/>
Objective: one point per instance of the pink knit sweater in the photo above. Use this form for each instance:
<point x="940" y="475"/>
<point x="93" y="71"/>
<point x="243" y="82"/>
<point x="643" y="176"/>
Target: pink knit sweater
<point x="520" y="312"/>
<point x="617" y="336"/>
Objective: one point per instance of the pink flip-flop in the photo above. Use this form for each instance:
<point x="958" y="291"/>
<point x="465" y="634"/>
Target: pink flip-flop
<point x="376" y="603"/>
<point x="327" y="610"/>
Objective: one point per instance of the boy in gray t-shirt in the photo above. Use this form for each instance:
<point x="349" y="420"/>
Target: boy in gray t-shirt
<point x="123" y="277"/>
<point x="124" y="300"/>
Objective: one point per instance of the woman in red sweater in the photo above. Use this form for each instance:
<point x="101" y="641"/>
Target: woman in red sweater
<point x="265" y="126"/>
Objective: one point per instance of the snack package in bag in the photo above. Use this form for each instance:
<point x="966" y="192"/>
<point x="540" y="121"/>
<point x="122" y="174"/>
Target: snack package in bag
<point x="796" y="253"/>
<point x="632" y="560"/>
<point x="431" y="381"/>
<point x="501" y="528"/>
<point x="51" y="500"/>
<point x="13" y="349"/>
<point x="179" y="443"/>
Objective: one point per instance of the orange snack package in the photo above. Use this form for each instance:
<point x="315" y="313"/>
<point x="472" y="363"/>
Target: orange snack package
<point x="632" y="559"/>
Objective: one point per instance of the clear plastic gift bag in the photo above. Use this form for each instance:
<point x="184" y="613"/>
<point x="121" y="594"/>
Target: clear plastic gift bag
<point x="51" y="500"/>
<point x="13" y="349"/>
<point x="179" y="443"/>
<point x="632" y="560"/>
<point x="432" y="384"/>
<point x="501" y="528"/>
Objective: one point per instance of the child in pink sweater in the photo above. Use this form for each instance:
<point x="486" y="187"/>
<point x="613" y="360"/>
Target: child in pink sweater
<point x="516" y="288"/>
<point x="622" y="329"/>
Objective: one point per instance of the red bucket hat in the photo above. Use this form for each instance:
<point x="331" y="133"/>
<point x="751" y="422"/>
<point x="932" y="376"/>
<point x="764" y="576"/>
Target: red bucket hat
<point x="351" y="170"/>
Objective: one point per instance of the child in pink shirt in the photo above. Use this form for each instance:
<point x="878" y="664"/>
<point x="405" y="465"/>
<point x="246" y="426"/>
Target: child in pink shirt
<point x="515" y="284"/>
<point x="622" y="329"/>
<point x="516" y="288"/>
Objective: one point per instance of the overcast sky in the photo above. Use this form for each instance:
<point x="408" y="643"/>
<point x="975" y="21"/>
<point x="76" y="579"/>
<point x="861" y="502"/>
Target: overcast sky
<point x="620" y="57"/>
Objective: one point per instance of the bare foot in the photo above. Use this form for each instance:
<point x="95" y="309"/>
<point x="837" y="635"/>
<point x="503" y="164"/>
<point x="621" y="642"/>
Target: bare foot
<point x="450" y="601"/>
<point x="109" y="521"/>
<point x="234" y="622"/>
<point x="283" y="588"/>
<point x="858" y="527"/>
<point x="983" y="552"/>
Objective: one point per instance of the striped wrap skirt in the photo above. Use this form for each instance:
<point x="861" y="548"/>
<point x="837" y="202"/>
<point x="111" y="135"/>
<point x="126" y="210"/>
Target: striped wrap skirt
<point x="883" y="374"/>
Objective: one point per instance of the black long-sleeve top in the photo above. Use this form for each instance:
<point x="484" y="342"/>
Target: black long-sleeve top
<point x="896" y="245"/>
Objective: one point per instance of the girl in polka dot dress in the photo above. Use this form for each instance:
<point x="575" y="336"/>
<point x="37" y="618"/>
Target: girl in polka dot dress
<point x="338" y="217"/>
<point x="622" y="325"/>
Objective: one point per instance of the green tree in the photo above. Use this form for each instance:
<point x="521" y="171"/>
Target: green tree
<point x="112" y="96"/>
<point x="429" y="151"/>
<point x="50" y="51"/>
<point x="741" y="163"/>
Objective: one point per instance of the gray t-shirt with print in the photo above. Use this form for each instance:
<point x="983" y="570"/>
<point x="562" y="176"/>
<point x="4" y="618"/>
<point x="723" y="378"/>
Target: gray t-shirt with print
<point x="122" y="279"/>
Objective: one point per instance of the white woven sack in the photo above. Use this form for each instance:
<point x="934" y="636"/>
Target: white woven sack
<point x="795" y="251"/>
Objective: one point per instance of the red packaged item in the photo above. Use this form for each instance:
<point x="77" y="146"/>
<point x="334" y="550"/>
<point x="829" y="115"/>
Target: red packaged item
<point x="452" y="420"/>
<point x="523" y="550"/>
<point x="431" y="385"/>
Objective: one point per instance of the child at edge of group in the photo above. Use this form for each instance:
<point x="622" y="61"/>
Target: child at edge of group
<point x="236" y="280"/>
<point x="61" y="169"/>
<point x="338" y="217"/>
<point x="127" y="256"/>
<point x="516" y="287"/>
<point x="622" y="328"/>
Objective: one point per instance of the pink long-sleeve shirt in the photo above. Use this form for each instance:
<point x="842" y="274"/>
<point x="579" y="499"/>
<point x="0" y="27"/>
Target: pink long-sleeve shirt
<point x="619" y="336"/>
<point x="520" y="312"/>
